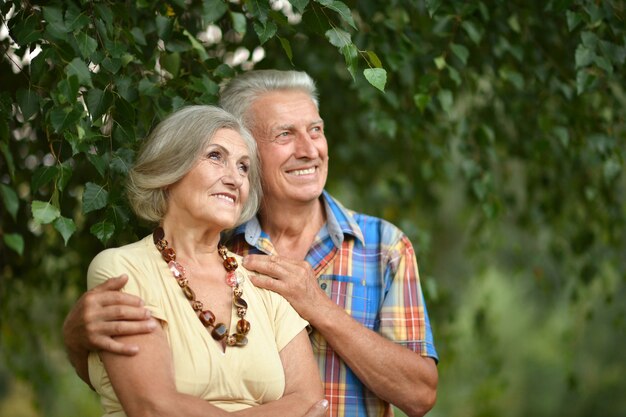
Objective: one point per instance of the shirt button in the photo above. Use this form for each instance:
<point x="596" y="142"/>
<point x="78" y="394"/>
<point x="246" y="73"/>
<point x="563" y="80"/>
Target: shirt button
<point x="323" y="285"/>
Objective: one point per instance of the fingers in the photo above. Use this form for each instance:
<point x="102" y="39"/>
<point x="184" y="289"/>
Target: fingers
<point x="101" y="335"/>
<point x="265" y="282"/>
<point x="274" y="266"/>
<point x="318" y="409"/>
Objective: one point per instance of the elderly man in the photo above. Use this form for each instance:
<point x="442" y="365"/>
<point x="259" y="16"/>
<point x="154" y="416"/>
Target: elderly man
<point x="352" y="276"/>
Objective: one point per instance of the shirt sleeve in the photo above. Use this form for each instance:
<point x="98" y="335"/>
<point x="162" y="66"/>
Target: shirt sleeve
<point x="403" y="317"/>
<point x="114" y="262"/>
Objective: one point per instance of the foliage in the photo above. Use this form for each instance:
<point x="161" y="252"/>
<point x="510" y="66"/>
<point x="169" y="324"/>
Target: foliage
<point x="492" y="132"/>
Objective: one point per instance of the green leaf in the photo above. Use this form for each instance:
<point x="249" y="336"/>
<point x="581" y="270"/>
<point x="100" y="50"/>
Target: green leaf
<point x="148" y="88"/>
<point x="286" y="47"/>
<point x="573" y="19"/>
<point x="171" y="63"/>
<point x="421" y="101"/>
<point x="584" y="56"/>
<point x="440" y="62"/>
<point x="63" y="175"/>
<point x="197" y="46"/>
<point x="338" y="37"/>
<point x="42" y="176"/>
<point x="66" y="227"/>
<point x="55" y="27"/>
<point x="432" y="6"/>
<point x="78" y="68"/>
<point x="122" y="160"/>
<point x="94" y="197"/>
<point x="611" y="169"/>
<point x="44" y="212"/>
<point x="62" y="117"/>
<point x="350" y="55"/>
<point x="9" y="199"/>
<point x="445" y="100"/>
<point x="14" y="241"/>
<point x="98" y="102"/>
<point x="99" y="162"/>
<point x="258" y="9"/>
<point x="112" y="65"/>
<point x="265" y="31"/>
<point x="75" y="18"/>
<point x="68" y="90"/>
<point x="213" y="10"/>
<point x="86" y="44"/>
<point x="164" y="27"/>
<point x="377" y="77"/>
<point x="8" y="156"/>
<point x="239" y="22"/>
<point x="26" y="31"/>
<point x="344" y="11"/>
<point x="28" y="101"/>
<point x="374" y="60"/>
<point x="138" y="36"/>
<point x="460" y="52"/>
<point x="454" y="75"/>
<point x="299" y="5"/>
<point x="103" y="230"/>
<point x="472" y="31"/>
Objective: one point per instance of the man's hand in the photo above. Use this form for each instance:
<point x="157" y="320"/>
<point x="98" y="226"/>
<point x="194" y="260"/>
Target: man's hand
<point x="97" y="317"/>
<point x="294" y="280"/>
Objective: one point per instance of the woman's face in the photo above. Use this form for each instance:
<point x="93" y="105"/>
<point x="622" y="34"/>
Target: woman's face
<point x="214" y="192"/>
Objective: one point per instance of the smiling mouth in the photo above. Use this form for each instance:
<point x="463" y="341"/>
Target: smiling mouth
<point x="225" y="197"/>
<point x="299" y="172"/>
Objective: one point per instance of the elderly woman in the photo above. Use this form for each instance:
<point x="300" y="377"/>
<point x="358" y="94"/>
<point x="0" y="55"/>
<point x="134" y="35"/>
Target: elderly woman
<point x="222" y="345"/>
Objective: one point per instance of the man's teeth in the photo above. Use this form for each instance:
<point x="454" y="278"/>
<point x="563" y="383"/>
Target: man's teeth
<point x="303" y="171"/>
<point x="225" y="197"/>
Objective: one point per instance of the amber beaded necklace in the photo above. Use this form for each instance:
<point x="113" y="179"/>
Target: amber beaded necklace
<point x="219" y="331"/>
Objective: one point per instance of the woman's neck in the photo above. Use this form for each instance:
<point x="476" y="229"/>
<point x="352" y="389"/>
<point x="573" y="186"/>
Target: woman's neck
<point x="193" y="242"/>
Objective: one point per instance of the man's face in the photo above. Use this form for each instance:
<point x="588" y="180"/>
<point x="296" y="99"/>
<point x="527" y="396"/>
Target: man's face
<point x="293" y="149"/>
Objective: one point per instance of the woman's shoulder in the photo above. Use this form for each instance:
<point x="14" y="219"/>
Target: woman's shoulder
<point x="133" y="252"/>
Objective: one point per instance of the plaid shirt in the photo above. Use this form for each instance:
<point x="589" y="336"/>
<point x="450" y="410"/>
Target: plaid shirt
<point x="368" y="267"/>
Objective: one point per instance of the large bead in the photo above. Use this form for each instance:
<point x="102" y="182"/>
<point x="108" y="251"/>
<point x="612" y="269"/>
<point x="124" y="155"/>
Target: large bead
<point x="231" y="279"/>
<point x="177" y="269"/>
<point x="169" y="254"/>
<point x="189" y="293"/>
<point x="243" y="326"/>
<point x="241" y="340"/>
<point x="219" y="331"/>
<point x="239" y="302"/>
<point x="207" y="318"/>
<point x="230" y="263"/>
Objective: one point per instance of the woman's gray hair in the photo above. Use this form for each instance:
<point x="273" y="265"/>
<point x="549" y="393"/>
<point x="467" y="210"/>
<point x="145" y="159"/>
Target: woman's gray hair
<point x="241" y="91"/>
<point x="173" y="148"/>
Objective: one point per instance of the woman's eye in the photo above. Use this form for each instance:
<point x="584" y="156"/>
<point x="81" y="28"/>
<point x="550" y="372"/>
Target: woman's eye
<point x="244" y="168"/>
<point x="215" y="155"/>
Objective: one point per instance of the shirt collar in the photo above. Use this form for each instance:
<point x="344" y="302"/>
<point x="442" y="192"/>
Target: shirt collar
<point x="339" y="222"/>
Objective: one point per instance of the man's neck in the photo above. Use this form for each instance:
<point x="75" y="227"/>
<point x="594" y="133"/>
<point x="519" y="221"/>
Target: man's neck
<point x="293" y="228"/>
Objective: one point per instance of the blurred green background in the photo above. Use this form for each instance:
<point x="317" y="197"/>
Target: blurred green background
<point x="497" y="145"/>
